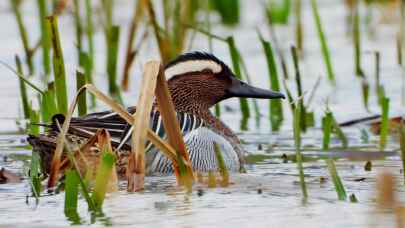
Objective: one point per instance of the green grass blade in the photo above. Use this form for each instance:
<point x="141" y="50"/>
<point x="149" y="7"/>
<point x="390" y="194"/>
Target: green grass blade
<point x="327" y="129"/>
<point x="228" y="10"/>
<point x="244" y="106"/>
<point x="340" y="189"/>
<point x="324" y="45"/>
<point x="82" y="100"/>
<point x="339" y="132"/>
<point x="58" y="66"/>
<point x="89" y="32"/>
<point x="113" y="35"/>
<point x="276" y="108"/>
<point x="299" y="37"/>
<point x="385" y="105"/>
<point x="278" y="13"/>
<point x="45" y="36"/>
<point x="299" y="89"/>
<point x="103" y="176"/>
<point x="221" y="164"/>
<point x="72" y="182"/>
<point x="357" y="40"/>
<point x="34" y="175"/>
<point x="297" y="140"/>
<point x="34" y="119"/>
<point x="15" y="6"/>
<point x="23" y="90"/>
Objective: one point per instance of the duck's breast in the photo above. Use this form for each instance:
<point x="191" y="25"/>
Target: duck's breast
<point x="200" y="145"/>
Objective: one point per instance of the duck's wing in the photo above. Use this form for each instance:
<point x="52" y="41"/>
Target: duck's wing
<point x="120" y="131"/>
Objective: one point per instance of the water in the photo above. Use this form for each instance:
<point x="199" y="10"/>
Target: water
<point x="269" y="194"/>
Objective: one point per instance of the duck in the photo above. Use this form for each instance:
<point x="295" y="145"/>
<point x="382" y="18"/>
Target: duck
<point x="197" y="81"/>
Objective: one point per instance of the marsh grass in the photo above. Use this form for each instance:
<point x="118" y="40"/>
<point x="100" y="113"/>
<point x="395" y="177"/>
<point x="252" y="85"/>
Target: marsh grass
<point x="297" y="141"/>
<point x="337" y="182"/>
<point x="244" y="106"/>
<point x="278" y="12"/>
<point x="221" y="165"/>
<point x="23" y="89"/>
<point x="323" y="42"/>
<point x="58" y="66"/>
<point x="45" y="36"/>
<point x="385" y="105"/>
<point x="80" y="82"/>
<point x="112" y="42"/>
<point x="15" y="6"/>
<point x="299" y="34"/>
<point x="276" y="108"/>
<point x="303" y="112"/>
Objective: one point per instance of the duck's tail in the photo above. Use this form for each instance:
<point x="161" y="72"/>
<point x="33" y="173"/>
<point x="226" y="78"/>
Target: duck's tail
<point x="45" y="146"/>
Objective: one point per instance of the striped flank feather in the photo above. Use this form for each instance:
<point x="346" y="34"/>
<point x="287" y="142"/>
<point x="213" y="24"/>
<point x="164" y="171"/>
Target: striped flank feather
<point x="121" y="131"/>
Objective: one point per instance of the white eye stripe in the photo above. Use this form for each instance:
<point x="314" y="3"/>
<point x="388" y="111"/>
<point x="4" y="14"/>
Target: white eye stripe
<point x="192" y="66"/>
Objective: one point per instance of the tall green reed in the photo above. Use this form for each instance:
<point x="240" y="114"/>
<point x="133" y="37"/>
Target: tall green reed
<point x="337" y="182"/>
<point x="276" y="108"/>
<point x="323" y="42"/>
<point x="15" y="6"/>
<point x="45" y="36"/>
<point x="299" y="36"/>
<point x="303" y="112"/>
<point x="385" y="105"/>
<point x="297" y="141"/>
<point x="23" y="89"/>
<point x="58" y="66"/>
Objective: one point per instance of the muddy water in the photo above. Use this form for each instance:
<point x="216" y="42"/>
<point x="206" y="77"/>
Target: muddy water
<point x="269" y="194"/>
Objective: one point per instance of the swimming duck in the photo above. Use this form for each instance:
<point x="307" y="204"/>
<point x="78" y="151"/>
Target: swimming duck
<point x="197" y="81"/>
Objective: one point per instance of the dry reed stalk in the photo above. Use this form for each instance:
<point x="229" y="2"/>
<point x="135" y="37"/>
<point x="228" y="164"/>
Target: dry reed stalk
<point x="184" y="171"/>
<point x="136" y="161"/>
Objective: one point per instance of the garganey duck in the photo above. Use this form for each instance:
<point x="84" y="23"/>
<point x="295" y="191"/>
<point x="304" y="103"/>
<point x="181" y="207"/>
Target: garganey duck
<point x="197" y="81"/>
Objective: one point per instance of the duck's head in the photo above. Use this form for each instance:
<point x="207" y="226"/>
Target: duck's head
<point x="199" y="80"/>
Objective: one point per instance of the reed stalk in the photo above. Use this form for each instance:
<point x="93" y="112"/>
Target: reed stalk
<point x="303" y="112"/>
<point x="113" y="35"/>
<point x="103" y="176"/>
<point x="23" y="89"/>
<point x="72" y="182"/>
<point x="45" y="36"/>
<point x="327" y="129"/>
<point x="58" y="66"/>
<point x="80" y="82"/>
<point x="35" y="180"/>
<point x="130" y="52"/>
<point x="228" y="10"/>
<point x="297" y="141"/>
<point x="299" y="37"/>
<point x="244" y="106"/>
<point x="184" y="171"/>
<point x="48" y="103"/>
<point x="357" y="40"/>
<point x="278" y="13"/>
<point x="337" y="182"/>
<point x="136" y="162"/>
<point x="339" y="132"/>
<point x="34" y="119"/>
<point x="15" y="6"/>
<point x="78" y="27"/>
<point x="221" y="166"/>
<point x="89" y="32"/>
<point x="276" y="108"/>
<point x="322" y="40"/>
<point x="385" y="105"/>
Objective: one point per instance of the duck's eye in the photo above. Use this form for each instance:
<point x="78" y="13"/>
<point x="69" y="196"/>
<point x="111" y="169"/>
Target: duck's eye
<point x="207" y="71"/>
